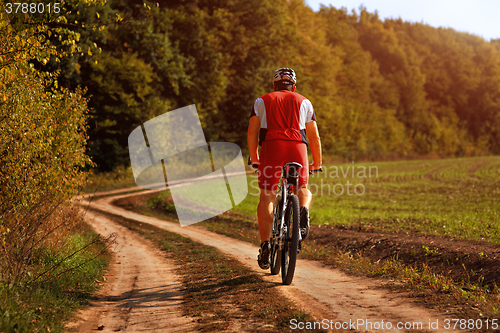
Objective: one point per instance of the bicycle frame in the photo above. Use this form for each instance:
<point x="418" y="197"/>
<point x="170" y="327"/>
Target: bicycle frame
<point x="285" y="189"/>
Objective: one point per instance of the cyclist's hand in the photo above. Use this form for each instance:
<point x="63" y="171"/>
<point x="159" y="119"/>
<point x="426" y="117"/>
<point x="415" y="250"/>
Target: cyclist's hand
<point x="254" y="164"/>
<point x="315" y="168"/>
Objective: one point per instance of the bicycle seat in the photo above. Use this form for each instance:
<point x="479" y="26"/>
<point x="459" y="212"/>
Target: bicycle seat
<point x="292" y="174"/>
<point x="294" y="164"/>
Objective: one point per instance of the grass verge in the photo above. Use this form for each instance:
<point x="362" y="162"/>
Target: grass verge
<point x="460" y="298"/>
<point x="119" y="178"/>
<point x="44" y="301"/>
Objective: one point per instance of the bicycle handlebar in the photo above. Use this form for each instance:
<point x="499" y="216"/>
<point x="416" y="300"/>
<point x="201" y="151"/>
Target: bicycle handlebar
<point x="256" y="166"/>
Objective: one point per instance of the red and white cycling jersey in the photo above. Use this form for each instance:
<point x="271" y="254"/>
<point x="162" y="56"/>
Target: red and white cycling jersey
<point x="283" y="116"/>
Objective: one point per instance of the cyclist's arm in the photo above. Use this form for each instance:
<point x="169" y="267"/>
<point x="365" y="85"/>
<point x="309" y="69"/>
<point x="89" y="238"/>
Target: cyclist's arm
<point x="253" y="138"/>
<point x="315" y="143"/>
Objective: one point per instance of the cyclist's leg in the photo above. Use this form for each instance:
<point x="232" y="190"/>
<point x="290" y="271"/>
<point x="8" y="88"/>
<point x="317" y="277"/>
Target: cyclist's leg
<point x="297" y="152"/>
<point x="265" y="219"/>
<point x="265" y="213"/>
<point x="305" y="196"/>
<point x="269" y="173"/>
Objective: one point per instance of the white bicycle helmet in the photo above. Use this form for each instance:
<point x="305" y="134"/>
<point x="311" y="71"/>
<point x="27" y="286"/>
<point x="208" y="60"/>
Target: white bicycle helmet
<point x="286" y="74"/>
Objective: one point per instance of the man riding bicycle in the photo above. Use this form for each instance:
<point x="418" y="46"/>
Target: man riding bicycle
<point x="279" y="123"/>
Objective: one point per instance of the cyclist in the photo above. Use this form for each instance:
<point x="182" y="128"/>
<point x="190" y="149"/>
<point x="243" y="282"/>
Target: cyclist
<point x="279" y="123"/>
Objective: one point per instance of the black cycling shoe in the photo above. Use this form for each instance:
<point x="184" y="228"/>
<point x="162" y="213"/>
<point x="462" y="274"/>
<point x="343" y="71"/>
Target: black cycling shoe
<point x="304" y="222"/>
<point x="263" y="258"/>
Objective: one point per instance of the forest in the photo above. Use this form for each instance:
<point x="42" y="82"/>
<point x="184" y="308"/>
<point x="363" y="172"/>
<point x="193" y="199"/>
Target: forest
<point x="381" y="89"/>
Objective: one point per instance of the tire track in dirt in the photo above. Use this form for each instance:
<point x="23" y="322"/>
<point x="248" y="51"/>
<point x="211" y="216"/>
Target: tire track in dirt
<point x="472" y="170"/>
<point x="431" y="174"/>
<point x="142" y="292"/>
<point x="323" y="292"/>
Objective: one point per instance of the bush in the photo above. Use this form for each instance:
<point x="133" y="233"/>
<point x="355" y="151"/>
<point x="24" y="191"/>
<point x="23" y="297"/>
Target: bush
<point x="42" y="142"/>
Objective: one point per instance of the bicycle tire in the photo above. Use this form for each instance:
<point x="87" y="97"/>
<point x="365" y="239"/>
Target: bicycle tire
<point x="291" y="243"/>
<point x="275" y="256"/>
<point x="275" y="259"/>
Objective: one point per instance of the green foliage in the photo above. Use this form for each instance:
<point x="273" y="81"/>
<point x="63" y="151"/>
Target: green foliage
<point x="42" y="140"/>
<point x="131" y="81"/>
<point x="380" y="88"/>
<point x="42" y="137"/>
<point x="42" y="154"/>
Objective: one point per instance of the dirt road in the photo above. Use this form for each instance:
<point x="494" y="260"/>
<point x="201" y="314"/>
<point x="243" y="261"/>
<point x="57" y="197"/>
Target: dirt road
<point x="132" y="296"/>
<point x="142" y="293"/>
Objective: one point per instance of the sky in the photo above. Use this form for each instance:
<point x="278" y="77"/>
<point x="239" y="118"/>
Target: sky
<point x="478" y="17"/>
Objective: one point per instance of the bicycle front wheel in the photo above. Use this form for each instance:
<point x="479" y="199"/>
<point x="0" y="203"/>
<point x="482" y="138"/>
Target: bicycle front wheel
<point x="275" y="258"/>
<point x="291" y="243"/>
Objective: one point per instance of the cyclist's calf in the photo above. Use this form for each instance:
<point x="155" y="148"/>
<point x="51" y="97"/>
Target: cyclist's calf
<point x="305" y="196"/>
<point x="265" y="213"/>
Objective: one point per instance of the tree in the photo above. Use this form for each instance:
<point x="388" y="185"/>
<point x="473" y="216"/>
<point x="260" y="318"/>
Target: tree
<point x="137" y="77"/>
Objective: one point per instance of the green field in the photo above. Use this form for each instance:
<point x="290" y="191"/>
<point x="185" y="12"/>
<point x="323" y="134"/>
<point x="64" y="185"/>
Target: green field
<point x="450" y="197"/>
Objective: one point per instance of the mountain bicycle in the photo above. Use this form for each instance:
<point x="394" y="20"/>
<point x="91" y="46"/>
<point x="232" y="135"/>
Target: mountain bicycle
<point x="285" y="234"/>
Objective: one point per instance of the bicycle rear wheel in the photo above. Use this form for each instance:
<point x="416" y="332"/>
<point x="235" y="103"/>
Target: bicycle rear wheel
<point x="291" y="243"/>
